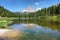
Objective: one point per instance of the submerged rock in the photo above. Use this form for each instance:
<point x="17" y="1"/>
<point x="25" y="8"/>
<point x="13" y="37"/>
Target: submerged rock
<point x="10" y="34"/>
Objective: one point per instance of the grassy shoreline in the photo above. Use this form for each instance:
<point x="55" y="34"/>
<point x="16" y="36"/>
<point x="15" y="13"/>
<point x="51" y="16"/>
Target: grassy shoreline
<point x="4" y="21"/>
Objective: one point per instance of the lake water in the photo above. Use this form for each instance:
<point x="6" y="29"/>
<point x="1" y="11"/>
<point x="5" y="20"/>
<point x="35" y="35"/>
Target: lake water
<point x="38" y="29"/>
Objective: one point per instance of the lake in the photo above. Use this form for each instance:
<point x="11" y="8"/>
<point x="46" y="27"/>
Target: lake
<point x="37" y="29"/>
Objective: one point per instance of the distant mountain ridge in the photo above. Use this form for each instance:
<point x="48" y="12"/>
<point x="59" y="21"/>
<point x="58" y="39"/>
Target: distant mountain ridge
<point x="50" y="11"/>
<point x="29" y="9"/>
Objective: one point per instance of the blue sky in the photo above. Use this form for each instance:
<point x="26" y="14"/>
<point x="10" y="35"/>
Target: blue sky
<point x="19" y="5"/>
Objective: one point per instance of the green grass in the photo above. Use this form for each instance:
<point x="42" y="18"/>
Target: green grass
<point x="4" y="22"/>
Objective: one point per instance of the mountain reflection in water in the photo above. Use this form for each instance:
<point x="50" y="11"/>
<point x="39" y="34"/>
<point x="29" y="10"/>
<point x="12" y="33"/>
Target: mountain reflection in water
<point x="37" y="32"/>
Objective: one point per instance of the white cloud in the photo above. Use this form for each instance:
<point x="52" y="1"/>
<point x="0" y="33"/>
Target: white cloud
<point x="37" y="3"/>
<point x="24" y="10"/>
<point x="38" y="9"/>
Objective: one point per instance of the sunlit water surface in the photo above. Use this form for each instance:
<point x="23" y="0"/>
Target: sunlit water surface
<point x="36" y="32"/>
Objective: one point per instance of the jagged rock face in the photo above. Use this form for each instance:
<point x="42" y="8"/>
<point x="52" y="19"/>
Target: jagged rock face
<point x="10" y="34"/>
<point x="29" y="9"/>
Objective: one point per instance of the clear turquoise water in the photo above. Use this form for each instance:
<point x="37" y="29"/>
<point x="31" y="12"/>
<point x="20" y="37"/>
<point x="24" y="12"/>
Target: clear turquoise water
<point x="37" y="32"/>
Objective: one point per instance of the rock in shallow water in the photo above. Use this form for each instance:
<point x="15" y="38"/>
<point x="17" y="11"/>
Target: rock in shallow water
<point x="10" y="34"/>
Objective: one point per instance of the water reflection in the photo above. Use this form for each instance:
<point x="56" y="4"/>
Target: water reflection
<point x="44" y="23"/>
<point x="37" y="32"/>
